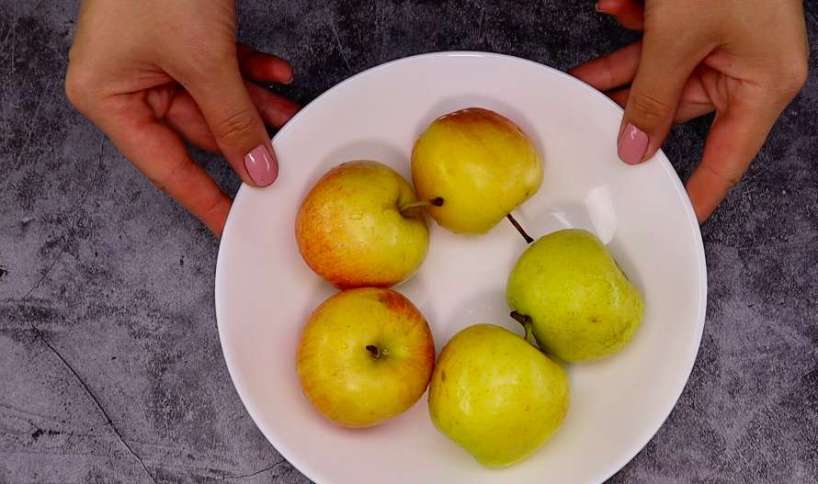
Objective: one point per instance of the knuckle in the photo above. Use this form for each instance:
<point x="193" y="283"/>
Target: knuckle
<point x="203" y="59"/>
<point x="178" y="174"/>
<point x="730" y="177"/>
<point x="648" y="109"/>
<point x="168" y="176"/>
<point x="235" y="127"/>
<point x="607" y="70"/>
<point x="216" y="205"/>
<point x="79" y="85"/>
<point x="794" y="77"/>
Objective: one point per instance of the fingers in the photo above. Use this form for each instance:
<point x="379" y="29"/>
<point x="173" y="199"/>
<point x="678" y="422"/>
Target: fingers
<point x="610" y="71"/>
<point x="629" y="13"/>
<point x="665" y="65"/>
<point x="687" y="110"/>
<point x="259" y="66"/>
<point x="159" y="153"/>
<point x="734" y="140"/>
<point x="181" y="113"/>
<point x="275" y="110"/>
<point x="221" y="95"/>
<point x="613" y="71"/>
<point x="184" y="115"/>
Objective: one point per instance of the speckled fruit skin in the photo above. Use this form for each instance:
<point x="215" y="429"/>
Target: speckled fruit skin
<point x="581" y="305"/>
<point x="343" y="379"/>
<point x="480" y="163"/>
<point x="496" y="395"/>
<point x="350" y="231"/>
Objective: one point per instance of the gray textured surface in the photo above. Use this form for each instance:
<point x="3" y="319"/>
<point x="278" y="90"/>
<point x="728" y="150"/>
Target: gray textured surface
<point x="110" y="366"/>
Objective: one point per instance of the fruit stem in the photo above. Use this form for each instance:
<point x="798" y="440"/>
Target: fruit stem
<point x="374" y="350"/>
<point x="519" y="228"/>
<point x="526" y="322"/>
<point x="435" y="202"/>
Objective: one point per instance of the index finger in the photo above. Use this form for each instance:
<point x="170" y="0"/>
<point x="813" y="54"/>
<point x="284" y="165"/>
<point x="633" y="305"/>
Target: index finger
<point x="735" y="138"/>
<point x="610" y="71"/>
<point x="158" y="152"/>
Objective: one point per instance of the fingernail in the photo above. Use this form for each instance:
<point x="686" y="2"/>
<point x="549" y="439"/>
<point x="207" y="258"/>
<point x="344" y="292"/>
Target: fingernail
<point x="261" y="165"/>
<point x="633" y="142"/>
<point x="597" y="7"/>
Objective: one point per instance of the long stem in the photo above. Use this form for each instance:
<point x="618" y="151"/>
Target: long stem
<point x="528" y="238"/>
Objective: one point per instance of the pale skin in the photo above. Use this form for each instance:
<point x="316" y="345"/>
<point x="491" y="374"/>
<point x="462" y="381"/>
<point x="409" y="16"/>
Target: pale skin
<point x="744" y="59"/>
<point x="152" y="74"/>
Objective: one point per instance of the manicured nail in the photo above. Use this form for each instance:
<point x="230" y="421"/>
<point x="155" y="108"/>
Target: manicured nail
<point x="633" y="142"/>
<point x="261" y="165"/>
<point x="597" y="7"/>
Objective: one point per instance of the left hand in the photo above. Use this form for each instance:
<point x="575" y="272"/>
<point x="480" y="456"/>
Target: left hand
<point x="744" y="59"/>
<point x="152" y="74"/>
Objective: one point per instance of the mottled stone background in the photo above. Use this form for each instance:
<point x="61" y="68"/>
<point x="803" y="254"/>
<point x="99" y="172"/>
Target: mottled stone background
<point x="110" y="367"/>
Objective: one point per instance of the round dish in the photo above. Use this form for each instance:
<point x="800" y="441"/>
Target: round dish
<point x="264" y="290"/>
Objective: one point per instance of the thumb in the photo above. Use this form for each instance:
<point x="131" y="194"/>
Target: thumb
<point x="235" y="123"/>
<point x="665" y="66"/>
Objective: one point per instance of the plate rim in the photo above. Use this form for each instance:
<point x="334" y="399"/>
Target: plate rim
<point x="701" y="270"/>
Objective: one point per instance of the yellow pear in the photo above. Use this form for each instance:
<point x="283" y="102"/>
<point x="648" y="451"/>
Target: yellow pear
<point x="496" y="395"/>
<point x="474" y="166"/>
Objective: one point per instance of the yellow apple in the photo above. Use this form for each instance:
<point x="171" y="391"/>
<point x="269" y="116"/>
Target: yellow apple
<point x="365" y="355"/>
<point x="474" y="166"/>
<point x="360" y="226"/>
<point x="496" y="395"/>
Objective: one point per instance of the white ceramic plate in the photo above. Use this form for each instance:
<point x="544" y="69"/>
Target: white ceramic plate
<point x="264" y="291"/>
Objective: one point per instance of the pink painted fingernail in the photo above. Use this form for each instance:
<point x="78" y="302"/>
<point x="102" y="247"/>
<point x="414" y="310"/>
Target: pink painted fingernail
<point x="262" y="166"/>
<point x="632" y="145"/>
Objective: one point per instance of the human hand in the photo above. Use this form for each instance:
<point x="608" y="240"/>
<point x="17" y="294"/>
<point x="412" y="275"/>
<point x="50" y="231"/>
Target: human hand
<point x="745" y="59"/>
<point x="151" y="73"/>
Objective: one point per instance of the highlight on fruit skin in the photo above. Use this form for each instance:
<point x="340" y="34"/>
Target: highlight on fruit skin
<point x="579" y="304"/>
<point x="479" y="164"/>
<point x="365" y="356"/>
<point x="357" y="226"/>
<point x="496" y="395"/>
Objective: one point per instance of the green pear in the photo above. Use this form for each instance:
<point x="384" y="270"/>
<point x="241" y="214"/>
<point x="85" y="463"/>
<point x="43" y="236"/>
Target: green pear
<point x="473" y="167"/>
<point x="578" y="302"/>
<point x="496" y="395"/>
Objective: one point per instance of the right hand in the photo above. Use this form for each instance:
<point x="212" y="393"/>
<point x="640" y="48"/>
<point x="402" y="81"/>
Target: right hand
<point x="151" y="73"/>
<point x="744" y="59"/>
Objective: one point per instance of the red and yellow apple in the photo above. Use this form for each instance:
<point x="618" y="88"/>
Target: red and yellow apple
<point x="474" y="166"/>
<point x="360" y="226"/>
<point x="365" y="355"/>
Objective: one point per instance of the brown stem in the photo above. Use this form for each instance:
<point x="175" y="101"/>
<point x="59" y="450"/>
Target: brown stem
<point x="528" y="238"/>
<point x="523" y="319"/>
<point x="374" y="350"/>
<point x="527" y="323"/>
<point x="435" y="202"/>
